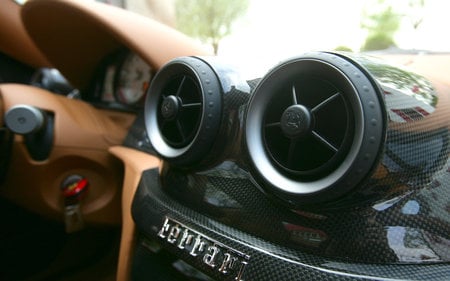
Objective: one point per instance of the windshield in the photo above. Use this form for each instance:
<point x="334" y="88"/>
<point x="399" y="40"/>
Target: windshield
<point x="262" y="33"/>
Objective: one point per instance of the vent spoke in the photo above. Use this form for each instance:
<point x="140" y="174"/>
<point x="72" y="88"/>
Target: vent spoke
<point x="163" y="123"/>
<point x="181" y="131"/>
<point x="294" y="95"/>
<point x="272" y="125"/>
<point x="325" y="142"/>
<point x="180" y="87"/>
<point x="190" y="105"/>
<point x="325" y="102"/>
<point x="290" y="156"/>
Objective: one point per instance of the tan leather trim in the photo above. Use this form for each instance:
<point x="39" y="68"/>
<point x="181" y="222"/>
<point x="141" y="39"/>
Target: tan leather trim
<point x="432" y="66"/>
<point x="36" y="185"/>
<point x="77" y="123"/>
<point x="76" y="35"/>
<point x="82" y="136"/>
<point x="15" y="40"/>
<point x="135" y="163"/>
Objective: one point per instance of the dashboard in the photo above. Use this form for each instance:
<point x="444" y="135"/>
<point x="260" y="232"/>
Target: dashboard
<point x="331" y="166"/>
<point x="103" y="52"/>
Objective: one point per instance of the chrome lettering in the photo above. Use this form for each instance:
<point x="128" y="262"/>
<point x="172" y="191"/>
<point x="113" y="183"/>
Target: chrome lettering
<point x="228" y="263"/>
<point x="186" y="239"/>
<point x="173" y="234"/>
<point x="211" y="253"/>
<point x="241" y="271"/>
<point x="198" y="246"/>
<point x="210" y="257"/>
<point x="164" y="228"/>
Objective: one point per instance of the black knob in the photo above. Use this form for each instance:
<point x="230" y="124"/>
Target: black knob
<point x="296" y="121"/>
<point x="170" y="107"/>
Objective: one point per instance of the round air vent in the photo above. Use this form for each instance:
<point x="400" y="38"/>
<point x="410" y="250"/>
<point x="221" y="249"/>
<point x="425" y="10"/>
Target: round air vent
<point x="183" y="110"/>
<point x="314" y="128"/>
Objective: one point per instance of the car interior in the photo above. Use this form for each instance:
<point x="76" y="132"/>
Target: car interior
<point x="128" y="151"/>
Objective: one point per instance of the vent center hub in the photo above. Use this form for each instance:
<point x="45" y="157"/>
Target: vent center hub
<point x="296" y="121"/>
<point x="170" y="107"/>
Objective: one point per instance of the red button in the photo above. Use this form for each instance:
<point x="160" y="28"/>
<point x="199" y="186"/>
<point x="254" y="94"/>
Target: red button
<point x="75" y="188"/>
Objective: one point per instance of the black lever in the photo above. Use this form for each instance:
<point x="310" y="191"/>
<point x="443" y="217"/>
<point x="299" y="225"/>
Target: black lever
<point x="35" y="125"/>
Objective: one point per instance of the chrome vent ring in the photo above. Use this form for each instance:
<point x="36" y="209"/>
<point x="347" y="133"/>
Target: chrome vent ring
<point x="183" y="110"/>
<point x="314" y="128"/>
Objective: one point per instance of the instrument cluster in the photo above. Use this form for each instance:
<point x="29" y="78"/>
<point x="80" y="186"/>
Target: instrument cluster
<point x="122" y="81"/>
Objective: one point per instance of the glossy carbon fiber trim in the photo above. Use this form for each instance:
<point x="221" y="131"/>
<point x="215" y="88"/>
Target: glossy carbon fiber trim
<point x="394" y="224"/>
<point x="268" y="261"/>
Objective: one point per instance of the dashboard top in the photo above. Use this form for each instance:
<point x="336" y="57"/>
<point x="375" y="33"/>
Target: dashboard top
<point x="93" y="31"/>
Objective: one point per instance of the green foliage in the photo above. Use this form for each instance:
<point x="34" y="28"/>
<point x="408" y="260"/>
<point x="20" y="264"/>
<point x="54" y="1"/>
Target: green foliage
<point x="381" y="26"/>
<point x="343" y="49"/>
<point x="386" y="22"/>
<point x="209" y="20"/>
<point x="378" y="41"/>
<point x="416" y="12"/>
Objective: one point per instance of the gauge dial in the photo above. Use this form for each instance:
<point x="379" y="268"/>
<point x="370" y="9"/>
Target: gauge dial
<point x="133" y="80"/>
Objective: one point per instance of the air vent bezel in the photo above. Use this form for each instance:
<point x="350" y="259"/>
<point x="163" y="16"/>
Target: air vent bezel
<point x="365" y="99"/>
<point x="208" y="125"/>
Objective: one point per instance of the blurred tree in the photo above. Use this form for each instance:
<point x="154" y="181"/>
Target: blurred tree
<point x="209" y="20"/>
<point x="378" y="41"/>
<point x="383" y="21"/>
<point x="381" y="27"/>
<point x="343" y="49"/>
<point x="415" y="12"/>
